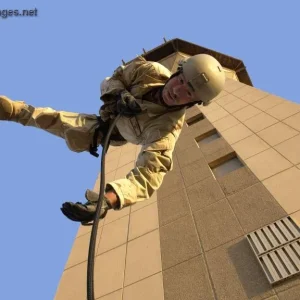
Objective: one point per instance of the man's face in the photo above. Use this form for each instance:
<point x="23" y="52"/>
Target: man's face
<point x="177" y="91"/>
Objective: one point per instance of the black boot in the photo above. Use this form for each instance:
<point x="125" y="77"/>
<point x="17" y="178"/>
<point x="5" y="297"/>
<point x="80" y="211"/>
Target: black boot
<point x="85" y="213"/>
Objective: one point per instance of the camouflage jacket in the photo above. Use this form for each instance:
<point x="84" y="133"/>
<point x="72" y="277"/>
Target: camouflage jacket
<point x="157" y="128"/>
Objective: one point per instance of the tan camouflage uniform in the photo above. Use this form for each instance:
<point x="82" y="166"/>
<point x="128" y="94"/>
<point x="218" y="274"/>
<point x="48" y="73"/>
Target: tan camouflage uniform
<point x="156" y="128"/>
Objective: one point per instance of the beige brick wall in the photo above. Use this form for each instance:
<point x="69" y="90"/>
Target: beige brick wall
<point x="264" y="130"/>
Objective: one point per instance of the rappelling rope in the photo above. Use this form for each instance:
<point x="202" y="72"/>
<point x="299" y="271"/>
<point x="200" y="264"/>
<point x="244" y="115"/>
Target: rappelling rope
<point x="91" y="256"/>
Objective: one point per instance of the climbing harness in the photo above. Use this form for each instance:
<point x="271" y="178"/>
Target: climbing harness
<point x="92" y="244"/>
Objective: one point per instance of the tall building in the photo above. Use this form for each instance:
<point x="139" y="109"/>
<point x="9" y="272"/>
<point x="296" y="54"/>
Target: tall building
<point x="224" y="224"/>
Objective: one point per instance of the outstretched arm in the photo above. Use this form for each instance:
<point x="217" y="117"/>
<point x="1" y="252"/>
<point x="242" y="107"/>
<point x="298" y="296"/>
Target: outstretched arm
<point x="153" y="163"/>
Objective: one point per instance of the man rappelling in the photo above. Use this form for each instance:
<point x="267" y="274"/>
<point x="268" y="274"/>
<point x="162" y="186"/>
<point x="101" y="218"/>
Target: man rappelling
<point x="152" y="103"/>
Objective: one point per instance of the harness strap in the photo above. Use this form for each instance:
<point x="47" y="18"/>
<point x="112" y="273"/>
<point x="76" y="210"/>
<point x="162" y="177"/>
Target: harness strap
<point x="94" y="147"/>
<point x="103" y="127"/>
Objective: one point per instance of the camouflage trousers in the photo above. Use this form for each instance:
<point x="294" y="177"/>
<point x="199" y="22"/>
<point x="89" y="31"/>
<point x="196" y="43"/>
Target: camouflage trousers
<point x="77" y="129"/>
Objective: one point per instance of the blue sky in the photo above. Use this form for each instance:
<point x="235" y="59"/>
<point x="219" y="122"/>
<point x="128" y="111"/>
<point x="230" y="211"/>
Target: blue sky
<point x="58" y="60"/>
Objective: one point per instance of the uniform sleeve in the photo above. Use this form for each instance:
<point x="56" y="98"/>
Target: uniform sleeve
<point x="153" y="163"/>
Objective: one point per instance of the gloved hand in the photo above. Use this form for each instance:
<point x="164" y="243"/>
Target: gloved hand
<point x="127" y="105"/>
<point x="85" y="213"/>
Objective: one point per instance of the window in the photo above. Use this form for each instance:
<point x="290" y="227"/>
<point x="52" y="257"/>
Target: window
<point x="194" y="119"/>
<point x="208" y="137"/>
<point x="225" y="165"/>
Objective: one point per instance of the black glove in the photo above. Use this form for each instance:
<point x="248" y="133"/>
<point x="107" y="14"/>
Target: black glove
<point x="127" y="105"/>
<point x="85" y="213"/>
